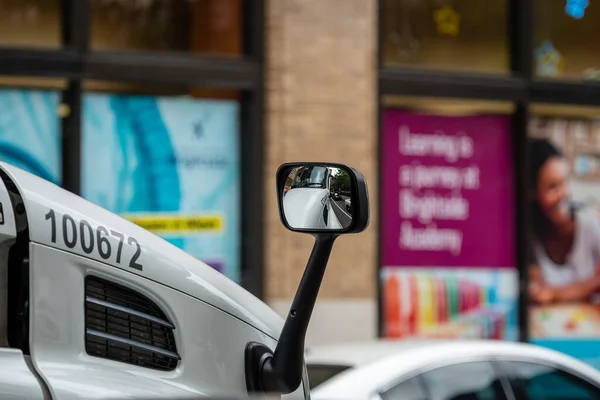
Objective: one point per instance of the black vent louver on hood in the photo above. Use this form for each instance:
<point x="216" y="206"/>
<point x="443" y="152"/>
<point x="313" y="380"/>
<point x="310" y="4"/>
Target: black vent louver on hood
<point x="125" y="326"/>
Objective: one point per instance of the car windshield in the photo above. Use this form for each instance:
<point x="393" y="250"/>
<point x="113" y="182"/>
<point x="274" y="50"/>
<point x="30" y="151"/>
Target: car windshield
<point x="313" y="177"/>
<point x="317" y="374"/>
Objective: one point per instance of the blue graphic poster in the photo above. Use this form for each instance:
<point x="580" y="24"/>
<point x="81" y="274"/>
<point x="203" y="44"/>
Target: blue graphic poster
<point x="171" y="165"/>
<point x="30" y="131"/>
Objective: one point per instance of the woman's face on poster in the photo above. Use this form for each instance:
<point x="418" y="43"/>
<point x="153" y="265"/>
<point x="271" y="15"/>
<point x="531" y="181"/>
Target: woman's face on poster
<point x="552" y="190"/>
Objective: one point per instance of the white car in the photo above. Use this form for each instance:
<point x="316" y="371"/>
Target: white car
<point x="448" y="370"/>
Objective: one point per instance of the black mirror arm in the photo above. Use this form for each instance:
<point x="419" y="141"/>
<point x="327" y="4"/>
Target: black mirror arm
<point x="281" y="371"/>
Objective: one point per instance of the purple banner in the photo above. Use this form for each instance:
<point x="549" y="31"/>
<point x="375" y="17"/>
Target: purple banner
<point x="447" y="188"/>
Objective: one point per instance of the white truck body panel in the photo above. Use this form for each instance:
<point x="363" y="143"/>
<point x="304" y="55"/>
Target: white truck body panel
<point x="211" y="342"/>
<point x="17" y="381"/>
<point x="214" y="318"/>
<point x="162" y="262"/>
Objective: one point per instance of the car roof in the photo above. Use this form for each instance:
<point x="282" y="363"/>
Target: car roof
<point x="351" y="354"/>
<point x="405" y="357"/>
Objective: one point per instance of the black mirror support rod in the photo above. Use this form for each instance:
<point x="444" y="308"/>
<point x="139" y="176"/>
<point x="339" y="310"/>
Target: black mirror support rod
<point x="281" y="371"/>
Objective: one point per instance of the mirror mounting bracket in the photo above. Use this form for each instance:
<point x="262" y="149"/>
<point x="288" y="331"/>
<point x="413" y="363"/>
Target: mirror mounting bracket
<point x="280" y="371"/>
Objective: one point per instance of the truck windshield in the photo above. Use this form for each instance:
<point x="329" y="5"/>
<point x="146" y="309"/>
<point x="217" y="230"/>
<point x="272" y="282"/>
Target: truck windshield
<point x="312" y="177"/>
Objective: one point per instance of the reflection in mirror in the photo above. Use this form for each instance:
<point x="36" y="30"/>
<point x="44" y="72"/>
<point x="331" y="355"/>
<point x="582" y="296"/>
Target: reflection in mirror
<point x="317" y="197"/>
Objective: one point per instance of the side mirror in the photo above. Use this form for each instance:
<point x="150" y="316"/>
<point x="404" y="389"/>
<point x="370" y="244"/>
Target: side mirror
<point x="322" y="198"/>
<point x="325" y="200"/>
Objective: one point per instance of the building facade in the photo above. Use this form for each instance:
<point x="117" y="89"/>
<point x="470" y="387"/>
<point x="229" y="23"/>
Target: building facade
<point x="178" y="113"/>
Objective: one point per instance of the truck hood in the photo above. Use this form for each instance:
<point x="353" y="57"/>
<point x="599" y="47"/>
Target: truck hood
<point x="302" y="206"/>
<point x="162" y="261"/>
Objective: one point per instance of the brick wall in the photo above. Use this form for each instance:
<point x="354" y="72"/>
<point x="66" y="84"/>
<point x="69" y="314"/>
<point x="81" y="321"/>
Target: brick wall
<point x="321" y="106"/>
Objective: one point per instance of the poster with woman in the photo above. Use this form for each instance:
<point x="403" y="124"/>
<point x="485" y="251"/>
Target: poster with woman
<point x="564" y="265"/>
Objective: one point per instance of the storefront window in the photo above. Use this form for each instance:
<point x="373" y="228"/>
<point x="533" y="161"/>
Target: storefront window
<point x="174" y="170"/>
<point x="207" y="27"/>
<point x="30" y="23"/>
<point x="565" y="40"/>
<point x="463" y="35"/>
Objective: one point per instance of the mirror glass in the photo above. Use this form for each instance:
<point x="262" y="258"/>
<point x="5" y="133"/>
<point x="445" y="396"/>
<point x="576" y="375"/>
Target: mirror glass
<point x="317" y="197"/>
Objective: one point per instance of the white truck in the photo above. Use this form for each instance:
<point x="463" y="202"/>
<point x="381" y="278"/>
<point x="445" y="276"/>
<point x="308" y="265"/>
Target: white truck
<point x="94" y="306"/>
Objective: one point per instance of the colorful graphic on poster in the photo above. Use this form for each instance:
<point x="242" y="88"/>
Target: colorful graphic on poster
<point x="30" y="132"/>
<point x="448" y="226"/>
<point x="564" y="268"/>
<point x="170" y="165"/>
<point x="456" y="303"/>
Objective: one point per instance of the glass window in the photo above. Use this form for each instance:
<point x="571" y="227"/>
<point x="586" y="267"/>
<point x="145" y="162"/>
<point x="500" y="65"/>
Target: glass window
<point x="532" y="381"/>
<point x="208" y="27"/>
<point x="465" y="381"/>
<point x="31" y="23"/>
<point x="410" y="389"/>
<point x="464" y="35"/>
<point x="170" y="155"/>
<point x="317" y="374"/>
<point x="30" y="131"/>
<point x="565" y="44"/>
<point x="313" y="177"/>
